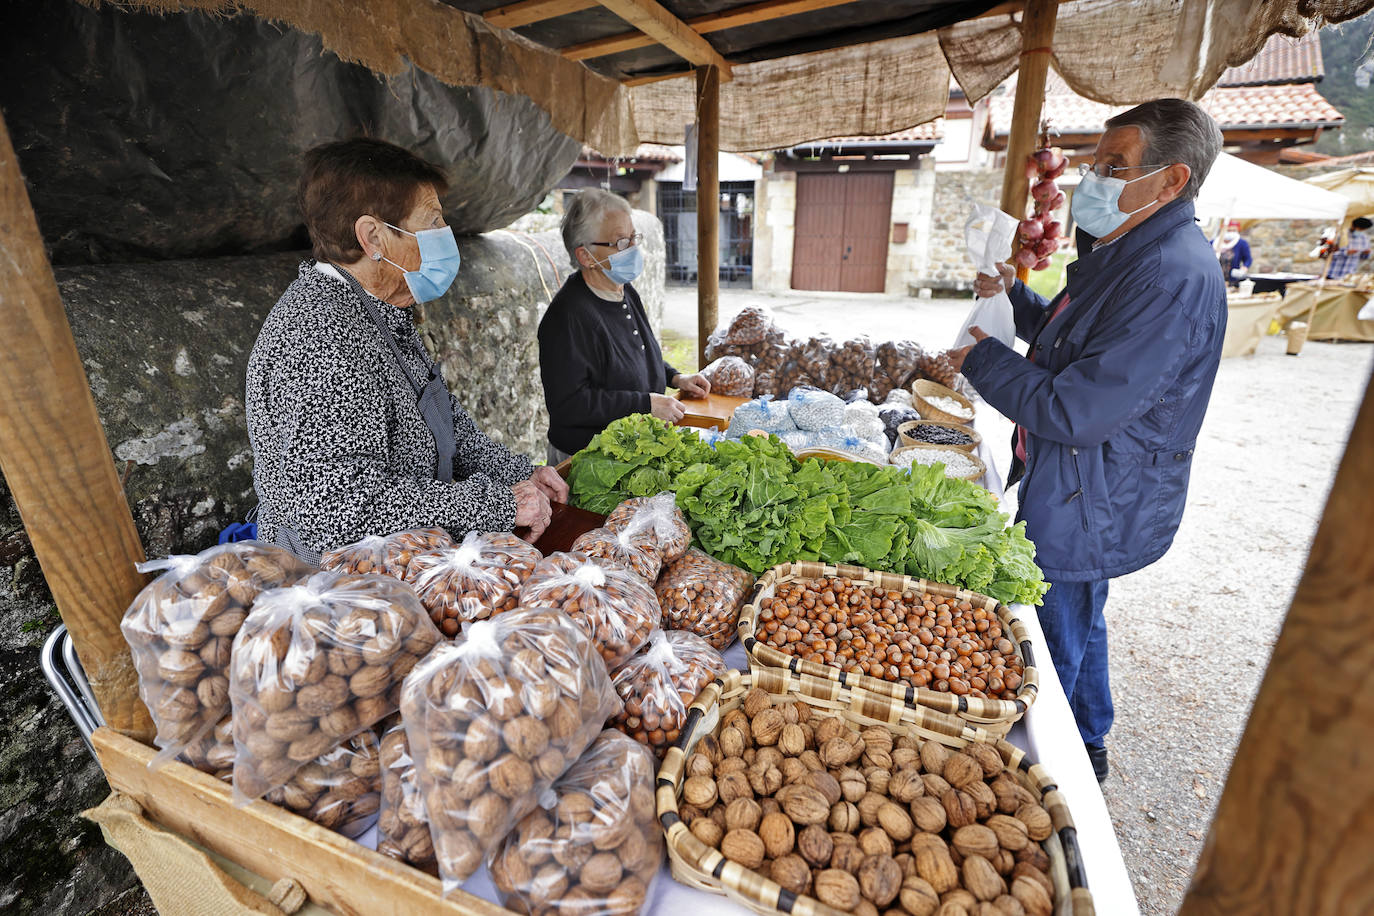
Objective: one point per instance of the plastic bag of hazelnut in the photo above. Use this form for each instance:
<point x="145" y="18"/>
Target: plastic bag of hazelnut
<point x="636" y="551"/>
<point x="750" y="326"/>
<point x="472" y="581"/>
<point x="315" y="664"/>
<point x="493" y="718"/>
<point x="702" y="595"/>
<point x="181" y="629"/>
<point x="595" y="846"/>
<point x="387" y="555"/>
<point x="340" y="790"/>
<point x="660" y="683"/>
<point x="730" y="376"/>
<point x="403" y="830"/>
<point x="657" y="517"/>
<point x="612" y="605"/>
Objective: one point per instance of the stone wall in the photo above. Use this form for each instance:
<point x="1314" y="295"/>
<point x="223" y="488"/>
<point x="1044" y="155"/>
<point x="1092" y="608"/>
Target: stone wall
<point x="165" y="346"/>
<point x="947" y="266"/>
<point x="775" y="209"/>
<point x="913" y="203"/>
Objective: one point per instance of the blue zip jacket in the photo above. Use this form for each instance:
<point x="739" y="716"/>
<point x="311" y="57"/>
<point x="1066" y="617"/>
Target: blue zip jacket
<point x="1113" y="403"/>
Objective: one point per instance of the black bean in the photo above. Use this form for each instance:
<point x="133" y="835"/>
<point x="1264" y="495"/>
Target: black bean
<point x="941" y="435"/>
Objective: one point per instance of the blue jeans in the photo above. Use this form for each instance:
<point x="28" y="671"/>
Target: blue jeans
<point x="1076" y="631"/>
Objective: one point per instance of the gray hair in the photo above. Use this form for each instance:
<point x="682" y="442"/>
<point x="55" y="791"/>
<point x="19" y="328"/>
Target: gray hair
<point x="583" y="217"/>
<point x="1175" y="130"/>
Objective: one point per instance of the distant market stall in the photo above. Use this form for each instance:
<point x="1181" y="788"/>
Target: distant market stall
<point x="755" y="78"/>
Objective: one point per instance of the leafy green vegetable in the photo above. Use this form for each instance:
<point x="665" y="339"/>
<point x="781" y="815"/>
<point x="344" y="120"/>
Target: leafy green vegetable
<point x="751" y="503"/>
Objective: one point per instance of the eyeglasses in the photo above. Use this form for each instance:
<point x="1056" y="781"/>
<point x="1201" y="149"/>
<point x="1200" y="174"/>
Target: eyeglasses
<point x="622" y="244"/>
<point x="1102" y="170"/>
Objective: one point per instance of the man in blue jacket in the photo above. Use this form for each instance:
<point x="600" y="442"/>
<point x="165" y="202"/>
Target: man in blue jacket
<point x="1110" y="397"/>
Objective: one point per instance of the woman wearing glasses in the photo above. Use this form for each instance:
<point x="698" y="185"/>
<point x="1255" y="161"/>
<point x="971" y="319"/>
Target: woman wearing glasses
<point x="597" y="354"/>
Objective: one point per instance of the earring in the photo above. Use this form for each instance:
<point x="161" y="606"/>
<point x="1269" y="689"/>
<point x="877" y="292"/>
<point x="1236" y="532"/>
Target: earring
<point x="376" y="255"/>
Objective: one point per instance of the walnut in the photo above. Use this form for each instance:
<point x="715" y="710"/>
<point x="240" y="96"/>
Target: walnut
<point x="180" y="667"/>
<point x="731" y="742"/>
<point x="699" y="791"/>
<point x="1027" y="870"/>
<point x="815" y="845"/>
<point x="765" y="779"/>
<point x="290" y="725"/>
<point x="869" y="806"/>
<point x="601" y="873"/>
<point x="853" y="785"/>
<point x="628" y="897"/>
<point x="744" y="847"/>
<point x="917" y="896"/>
<point x="792" y="740"/>
<point x="933" y="758"/>
<point x="340" y="723"/>
<point x="482" y="741"/>
<point x="1012" y="834"/>
<point x="791" y="872"/>
<point x="983" y="800"/>
<point x="961" y="771"/>
<point x="874" y="841"/>
<point x="324" y="697"/>
<point x="933" y="862"/>
<point x="699" y="765"/>
<point x="838" y="889"/>
<point x="303" y="750"/>
<point x="526" y="737"/>
<point x="778" y="834"/>
<point x="766" y="727"/>
<point x="743" y="814"/>
<point x="511" y="777"/>
<point x="878" y="779"/>
<point x="732" y="786"/>
<point x="981" y="879"/>
<point x="880" y="879"/>
<point x="960" y="809"/>
<point x="844" y="817"/>
<point x="708" y="831"/>
<point x="551" y="764"/>
<point x="976" y="840"/>
<point x="213" y="691"/>
<point x="847" y="856"/>
<point x="370" y="681"/>
<point x="1037" y="821"/>
<point x="987" y="757"/>
<point x="895" y="821"/>
<point x="905" y="785"/>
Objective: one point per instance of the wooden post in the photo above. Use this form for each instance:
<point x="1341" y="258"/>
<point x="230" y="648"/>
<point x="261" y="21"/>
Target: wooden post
<point x="1037" y="36"/>
<point x="57" y="463"/>
<point x="1293" y="832"/>
<point x="708" y="205"/>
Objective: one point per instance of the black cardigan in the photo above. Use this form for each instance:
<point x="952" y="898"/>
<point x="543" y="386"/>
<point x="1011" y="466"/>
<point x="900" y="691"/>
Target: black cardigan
<point x="599" y="362"/>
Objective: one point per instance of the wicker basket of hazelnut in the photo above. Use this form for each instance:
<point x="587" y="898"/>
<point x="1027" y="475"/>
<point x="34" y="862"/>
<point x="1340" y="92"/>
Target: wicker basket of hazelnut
<point x="612" y="605"/>
<point x="702" y="595"/>
<point x="315" y="664"/>
<point x="495" y="717"/>
<point x="797" y="795"/>
<point x="403" y="829"/>
<point x="479" y="578"/>
<point x="918" y="642"/>
<point x="658" y="685"/>
<point x="656" y="518"/>
<point x="181" y="630"/>
<point x="387" y="555"/>
<point x="595" y="846"/>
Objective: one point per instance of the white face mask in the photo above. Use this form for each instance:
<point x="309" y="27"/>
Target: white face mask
<point x="1095" y="203"/>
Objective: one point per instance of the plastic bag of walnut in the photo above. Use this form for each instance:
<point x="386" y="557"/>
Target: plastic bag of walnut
<point x="495" y="717"/>
<point x="315" y="664"/>
<point x="655" y="517"/>
<point x="637" y="551"/>
<point x="614" y="606"/>
<point x="660" y="683"/>
<point x="340" y="790"/>
<point x="595" y="846"/>
<point x="388" y="555"/>
<point x="730" y="376"/>
<point x="472" y="581"/>
<point x="403" y="830"/>
<point x="213" y="753"/>
<point x="702" y="595"/>
<point x="181" y="629"/>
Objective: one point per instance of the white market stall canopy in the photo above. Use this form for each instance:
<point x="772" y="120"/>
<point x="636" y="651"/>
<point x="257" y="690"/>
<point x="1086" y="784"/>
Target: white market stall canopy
<point x="1355" y="185"/>
<point x="1236" y="189"/>
<point x="733" y="167"/>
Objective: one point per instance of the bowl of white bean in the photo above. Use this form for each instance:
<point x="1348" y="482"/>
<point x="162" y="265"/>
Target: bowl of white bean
<point x="959" y="465"/>
<point x="934" y="401"/>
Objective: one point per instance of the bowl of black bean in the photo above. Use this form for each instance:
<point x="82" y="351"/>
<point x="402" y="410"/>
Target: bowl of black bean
<point x="933" y="432"/>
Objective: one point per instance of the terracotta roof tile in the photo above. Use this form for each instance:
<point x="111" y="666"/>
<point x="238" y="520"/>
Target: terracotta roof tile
<point x="1234" y="107"/>
<point x="1281" y="60"/>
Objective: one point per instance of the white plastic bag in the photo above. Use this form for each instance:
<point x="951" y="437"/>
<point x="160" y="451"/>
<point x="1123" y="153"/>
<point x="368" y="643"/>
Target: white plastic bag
<point x="988" y="234"/>
<point x="1366" y="312"/>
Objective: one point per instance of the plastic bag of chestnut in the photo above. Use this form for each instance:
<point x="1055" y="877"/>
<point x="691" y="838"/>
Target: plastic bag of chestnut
<point x="659" y="684"/>
<point x="314" y="665"/>
<point x="989" y="233"/>
<point x="492" y="720"/>
<point x="181" y="630"/>
<point x="594" y="845"/>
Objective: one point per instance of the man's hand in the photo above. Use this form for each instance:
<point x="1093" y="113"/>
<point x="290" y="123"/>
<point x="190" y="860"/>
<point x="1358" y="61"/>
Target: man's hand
<point x="693" y="386"/>
<point x="956" y="357"/>
<point x="532" y="509"/>
<point x="986" y="287"/>
<point x="550" y="484"/>
<point x="667" y="409"/>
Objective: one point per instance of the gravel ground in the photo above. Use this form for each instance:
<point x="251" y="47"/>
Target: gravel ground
<point x="1274" y="435"/>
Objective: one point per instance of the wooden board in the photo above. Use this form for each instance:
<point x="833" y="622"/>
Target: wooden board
<point x="57" y="463"/>
<point x="712" y="410"/>
<point x="528" y="11"/>
<point x="567" y="525"/>
<point x="1293" y="832"/>
<point x="335" y="871"/>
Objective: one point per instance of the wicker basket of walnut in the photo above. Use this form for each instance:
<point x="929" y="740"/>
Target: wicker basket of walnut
<point x="790" y="795"/>
<point x="918" y="642"/>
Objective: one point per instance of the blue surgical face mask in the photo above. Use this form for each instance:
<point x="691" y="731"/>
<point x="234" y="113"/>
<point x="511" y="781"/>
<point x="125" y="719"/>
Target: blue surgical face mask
<point x="624" y="266"/>
<point x="1095" y="203"/>
<point x="439" y="260"/>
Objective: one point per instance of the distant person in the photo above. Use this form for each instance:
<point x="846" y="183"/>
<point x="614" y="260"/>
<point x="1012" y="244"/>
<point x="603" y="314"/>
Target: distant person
<point x="1233" y="253"/>
<point x="597" y="354"/>
<point x="1347" y="260"/>
<point x="1111" y="395"/>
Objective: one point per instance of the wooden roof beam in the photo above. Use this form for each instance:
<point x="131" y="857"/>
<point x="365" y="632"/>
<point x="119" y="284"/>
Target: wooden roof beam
<point x="711" y="22"/>
<point x="528" y="11"/>
<point x="665" y="29"/>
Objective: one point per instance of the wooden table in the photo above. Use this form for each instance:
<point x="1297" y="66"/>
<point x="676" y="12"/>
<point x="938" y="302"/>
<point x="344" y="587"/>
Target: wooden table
<point x="712" y="410"/>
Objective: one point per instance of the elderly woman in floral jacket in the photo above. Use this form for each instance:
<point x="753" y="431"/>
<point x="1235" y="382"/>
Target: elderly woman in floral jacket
<point x="353" y="430"/>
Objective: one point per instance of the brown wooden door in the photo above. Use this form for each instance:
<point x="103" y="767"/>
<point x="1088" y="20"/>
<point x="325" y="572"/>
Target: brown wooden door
<point x="841" y="234"/>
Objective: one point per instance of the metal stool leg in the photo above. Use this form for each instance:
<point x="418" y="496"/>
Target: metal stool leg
<point x="68" y="681"/>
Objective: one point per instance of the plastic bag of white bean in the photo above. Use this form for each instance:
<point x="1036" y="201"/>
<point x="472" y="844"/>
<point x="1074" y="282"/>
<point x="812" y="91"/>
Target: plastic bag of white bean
<point x="813" y="409"/>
